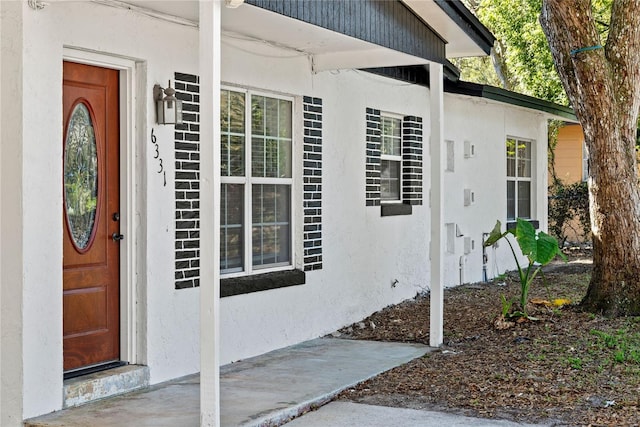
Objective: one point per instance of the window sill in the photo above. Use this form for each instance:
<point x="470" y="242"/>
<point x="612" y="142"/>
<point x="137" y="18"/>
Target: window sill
<point x="511" y="225"/>
<point x="393" y="209"/>
<point x="260" y="282"/>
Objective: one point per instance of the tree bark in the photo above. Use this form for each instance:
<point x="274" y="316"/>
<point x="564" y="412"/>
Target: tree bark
<point x="499" y="65"/>
<point x="603" y="85"/>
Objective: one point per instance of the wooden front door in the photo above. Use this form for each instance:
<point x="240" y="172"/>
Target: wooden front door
<point x="91" y="262"/>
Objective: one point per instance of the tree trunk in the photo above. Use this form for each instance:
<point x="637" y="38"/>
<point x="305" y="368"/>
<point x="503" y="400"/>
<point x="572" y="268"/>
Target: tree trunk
<point x="499" y="66"/>
<point x="603" y="85"/>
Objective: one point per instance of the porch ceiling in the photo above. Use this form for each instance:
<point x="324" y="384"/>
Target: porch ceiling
<point x="329" y="50"/>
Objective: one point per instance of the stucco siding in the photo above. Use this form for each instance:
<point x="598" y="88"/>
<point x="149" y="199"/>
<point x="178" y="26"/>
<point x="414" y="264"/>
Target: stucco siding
<point x="170" y="318"/>
<point x="363" y="252"/>
<point x="486" y="125"/>
<point x="368" y="261"/>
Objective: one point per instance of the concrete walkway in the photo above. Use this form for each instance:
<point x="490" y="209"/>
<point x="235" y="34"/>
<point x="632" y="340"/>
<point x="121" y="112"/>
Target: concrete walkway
<point x="266" y="390"/>
<point x="348" y="414"/>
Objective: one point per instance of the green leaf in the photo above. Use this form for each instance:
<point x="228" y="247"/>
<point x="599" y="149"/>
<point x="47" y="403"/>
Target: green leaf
<point x="526" y="237"/>
<point x="495" y="235"/>
<point x="547" y="248"/>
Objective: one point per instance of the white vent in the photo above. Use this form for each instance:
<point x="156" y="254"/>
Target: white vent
<point x="450" y="157"/>
<point x="468" y="245"/>
<point x="450" y="229"/>
<point x="469" y="197"/>
<point x="469" y="150"/>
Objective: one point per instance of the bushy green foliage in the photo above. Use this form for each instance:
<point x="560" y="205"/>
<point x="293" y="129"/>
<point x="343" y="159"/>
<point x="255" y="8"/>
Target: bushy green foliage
<point x="567" y="202"/>
<point x="521" y="49"/>
<point x="525" y="50"/>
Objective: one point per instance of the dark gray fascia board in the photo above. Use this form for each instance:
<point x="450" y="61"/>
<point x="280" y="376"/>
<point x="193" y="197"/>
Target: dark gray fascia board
<point x="419" y="75"/>
<point x="450" y="71"/>
<point x="508" y="97"/>
<point x="498" y="94"/>
<point x="469" y="23"/>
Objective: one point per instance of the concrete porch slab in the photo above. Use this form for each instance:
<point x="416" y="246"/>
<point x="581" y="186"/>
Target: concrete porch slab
<point x="265" y="390"/>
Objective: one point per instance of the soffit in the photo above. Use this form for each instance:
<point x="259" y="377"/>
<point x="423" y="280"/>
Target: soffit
<point x="327" y="49"/>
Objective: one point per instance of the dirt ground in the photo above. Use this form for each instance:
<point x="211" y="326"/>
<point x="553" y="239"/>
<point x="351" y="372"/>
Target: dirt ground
<point x="567" y="368"/>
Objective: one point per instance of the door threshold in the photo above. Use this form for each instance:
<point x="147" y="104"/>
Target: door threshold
<point x="104" y="383"/>
<point x="93" y="369"/>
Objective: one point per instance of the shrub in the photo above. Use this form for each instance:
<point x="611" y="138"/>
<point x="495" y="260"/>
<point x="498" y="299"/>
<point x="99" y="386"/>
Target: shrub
<point x="567" y="202"/>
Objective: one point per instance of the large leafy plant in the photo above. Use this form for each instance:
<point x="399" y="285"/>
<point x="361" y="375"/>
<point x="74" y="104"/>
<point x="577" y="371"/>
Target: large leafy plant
<point x="539" y="248"/>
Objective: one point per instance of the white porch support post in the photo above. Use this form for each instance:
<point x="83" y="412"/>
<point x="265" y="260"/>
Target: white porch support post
<point x="210" y="212"/>
<point x="12" y="281"/>
<point x="437" y="203"/>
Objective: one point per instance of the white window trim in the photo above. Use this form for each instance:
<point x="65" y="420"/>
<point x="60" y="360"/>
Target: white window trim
<point x="247" y="181"/>
<point x="516" y="179"/>
<point x="391" y="157"/>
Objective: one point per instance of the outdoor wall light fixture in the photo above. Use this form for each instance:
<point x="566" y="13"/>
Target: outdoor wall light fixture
<point x="168" y="107"/>
<point x="232" y="4"/>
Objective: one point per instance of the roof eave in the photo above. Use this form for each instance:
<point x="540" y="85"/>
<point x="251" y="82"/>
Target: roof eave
<point x="469" y="23"/>
<point x="508" y="97"/>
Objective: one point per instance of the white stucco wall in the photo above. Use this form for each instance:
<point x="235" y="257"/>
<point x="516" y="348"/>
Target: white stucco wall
<point x="363" y="253"/>
<point x="169" y="317"/>
<point x="11" y="242"/>
<point x="486" y="124"/>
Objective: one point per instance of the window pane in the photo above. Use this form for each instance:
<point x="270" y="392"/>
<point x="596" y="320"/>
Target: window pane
<point x="270" y="158"/>
<point x="257" y="115"/>
<point x="285" y="114"/>
<point x="271" y="117"/>
<point x="232" y="133"/>
<point x="524" y="199"/>
<point x="224" y="111"/>
<point x="236" y="155"/>
<point x="391" y="136"/>
<point x="231" y="228"/>
<point x="257" y="156"/>
<point x="236" y="112"/>
<point x="524" y="159"/>
<point x="284" y="158"/>
<point x="271" y="232"/>
<point x="511" y="157"/>
<point x="389" y="180"/>
<point x="391" y="126"/>
<point x="511" y="200"/>
<point x="81" y="176"/>
<point x="524" y="168"/>
<point x="524" y="150"/>
<point x="271" y="141"/>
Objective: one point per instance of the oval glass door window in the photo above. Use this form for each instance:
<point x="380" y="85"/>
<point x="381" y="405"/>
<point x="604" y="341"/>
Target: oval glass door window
<point x="81" y="176"/>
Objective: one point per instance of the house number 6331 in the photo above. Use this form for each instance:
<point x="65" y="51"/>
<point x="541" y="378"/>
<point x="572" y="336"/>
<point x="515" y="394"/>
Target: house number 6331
<point x="156" y="155"/>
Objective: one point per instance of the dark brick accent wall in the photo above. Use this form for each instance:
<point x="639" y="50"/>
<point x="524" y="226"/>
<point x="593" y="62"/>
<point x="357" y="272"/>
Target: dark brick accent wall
<point x="412" y="160"/>
<point x="372" y="167"/>
<point x="187" y="183"/>
<point x="312" y="182"/>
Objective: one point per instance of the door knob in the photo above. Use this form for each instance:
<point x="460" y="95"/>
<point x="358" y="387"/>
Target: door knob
<point x="116" y="237"/>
